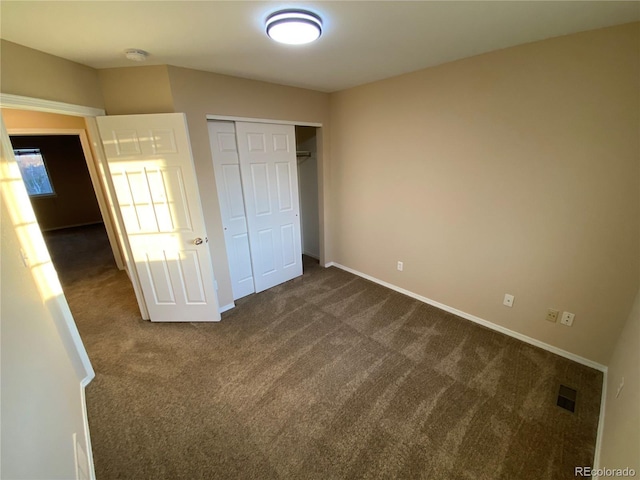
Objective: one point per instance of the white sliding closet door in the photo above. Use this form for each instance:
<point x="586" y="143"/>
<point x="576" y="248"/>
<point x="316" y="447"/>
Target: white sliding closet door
<point x="270" y="182"/>
<point x="226" y="165"/>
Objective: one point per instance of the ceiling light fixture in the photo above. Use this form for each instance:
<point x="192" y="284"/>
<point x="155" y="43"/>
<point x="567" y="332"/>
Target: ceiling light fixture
<point x="294" y="27"/>
<point x="136" y="54"/>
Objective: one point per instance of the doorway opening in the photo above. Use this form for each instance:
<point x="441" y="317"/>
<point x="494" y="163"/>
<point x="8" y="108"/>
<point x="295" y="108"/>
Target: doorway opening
<point x="307" y="160"/>
<point x="55" y="172"/>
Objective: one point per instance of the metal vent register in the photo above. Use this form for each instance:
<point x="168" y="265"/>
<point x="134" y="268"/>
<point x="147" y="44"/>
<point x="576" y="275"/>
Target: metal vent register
<point x="567" y="398"/>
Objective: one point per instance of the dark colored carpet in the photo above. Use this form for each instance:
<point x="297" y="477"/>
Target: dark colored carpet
<point x="328" y="376"/>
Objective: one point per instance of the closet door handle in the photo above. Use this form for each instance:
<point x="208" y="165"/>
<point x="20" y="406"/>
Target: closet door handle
<point x="198" y="241"/>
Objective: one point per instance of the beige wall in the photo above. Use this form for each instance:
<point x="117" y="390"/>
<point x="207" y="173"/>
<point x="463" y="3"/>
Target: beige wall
<point x="142" y="89"/>
<point x="41" y="402"/>
<point x="621" y="435"/>
<point x="511" y="172"/>
<point x="20" y="119"/>
<point x="199" y="93"/>
<point x="31" y="73"/>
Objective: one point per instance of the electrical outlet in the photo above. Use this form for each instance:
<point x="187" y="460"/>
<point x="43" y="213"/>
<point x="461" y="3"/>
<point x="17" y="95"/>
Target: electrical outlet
<point x="567" y="318"/>
<point x="552" y="315"/>
<point x="400" y="266"/>
<point x="508" y="300"/>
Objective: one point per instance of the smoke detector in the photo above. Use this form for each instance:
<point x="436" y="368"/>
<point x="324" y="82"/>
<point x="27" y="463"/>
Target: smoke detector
<point x="136" y="54"/>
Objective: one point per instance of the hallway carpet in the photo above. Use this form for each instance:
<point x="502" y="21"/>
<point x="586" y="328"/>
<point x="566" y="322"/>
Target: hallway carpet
<point x="328" y="376"/>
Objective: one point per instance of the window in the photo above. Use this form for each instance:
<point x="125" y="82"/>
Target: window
<point x="34" y="172"/>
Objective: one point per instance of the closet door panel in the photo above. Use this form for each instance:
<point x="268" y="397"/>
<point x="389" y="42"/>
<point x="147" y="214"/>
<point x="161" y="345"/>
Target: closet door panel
<point x="268" y="169"/>
<point x="226" y="165"/>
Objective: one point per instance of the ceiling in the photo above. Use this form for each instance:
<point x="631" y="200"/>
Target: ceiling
<point x="362" y="41"/>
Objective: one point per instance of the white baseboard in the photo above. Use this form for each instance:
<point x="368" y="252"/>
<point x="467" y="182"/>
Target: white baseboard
<point x="74" y="225"/>
<point x="87" y="436"/>
<point x="312" y="255"/>
<point x="603" y="404"/>
<point x="224" y="308"/>
<point x="478" y="320"/>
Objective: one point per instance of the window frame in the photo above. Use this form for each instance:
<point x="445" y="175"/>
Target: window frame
<point x="18" y="152"/>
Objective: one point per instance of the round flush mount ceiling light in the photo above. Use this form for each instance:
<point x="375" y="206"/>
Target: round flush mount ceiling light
<point x="136" y="54"/>
<point x="294" y="27"/>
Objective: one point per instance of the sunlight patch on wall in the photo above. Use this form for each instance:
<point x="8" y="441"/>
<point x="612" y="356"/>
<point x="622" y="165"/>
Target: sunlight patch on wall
<point x="34" y="250"/>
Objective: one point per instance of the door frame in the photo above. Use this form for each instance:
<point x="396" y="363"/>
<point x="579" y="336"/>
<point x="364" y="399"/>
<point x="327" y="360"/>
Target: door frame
<point x="227" y="118"/>
<point x="19" y="102"/>
<point x="322" y="209"/>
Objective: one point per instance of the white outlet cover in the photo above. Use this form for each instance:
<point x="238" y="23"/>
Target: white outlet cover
<point x="508" y="300"/>
<point x="567" y="318"/>
<point x="552" y="315"/>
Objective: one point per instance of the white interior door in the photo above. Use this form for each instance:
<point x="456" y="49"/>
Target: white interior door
<point x="270" y="184"/>
<point x="151" y="165"/>
<point x="226" y="165"/>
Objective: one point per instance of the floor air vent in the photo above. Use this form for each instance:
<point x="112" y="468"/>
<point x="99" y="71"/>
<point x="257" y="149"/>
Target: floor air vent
<point x="567" y="398"/>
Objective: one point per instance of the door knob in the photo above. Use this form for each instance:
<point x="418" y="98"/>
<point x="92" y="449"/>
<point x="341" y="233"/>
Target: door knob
<point x="198" y="241"/>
